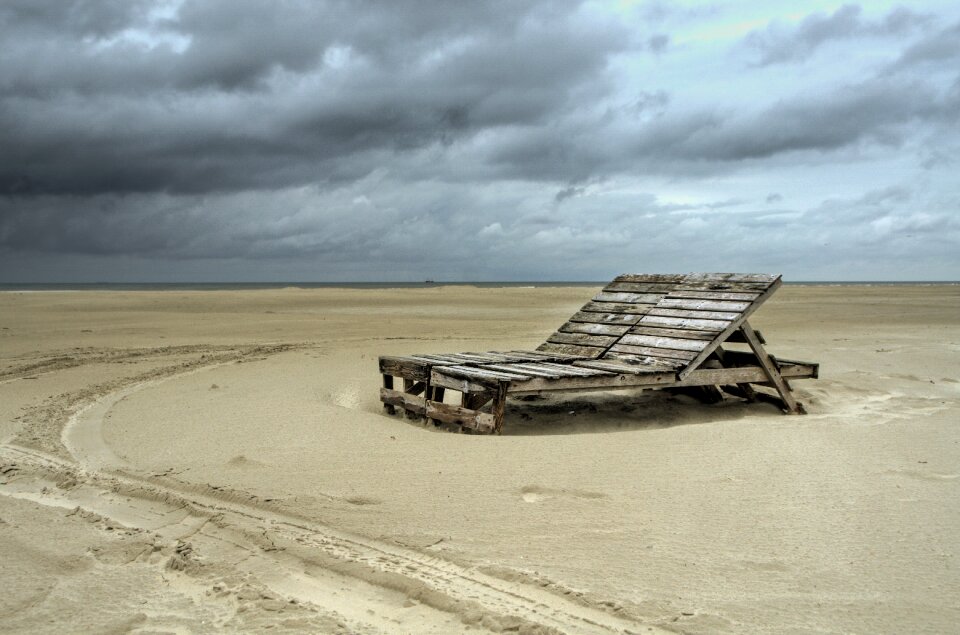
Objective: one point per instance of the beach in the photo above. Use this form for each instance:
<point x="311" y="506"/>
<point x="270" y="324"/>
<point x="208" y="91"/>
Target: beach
<point x="192" y="461"/>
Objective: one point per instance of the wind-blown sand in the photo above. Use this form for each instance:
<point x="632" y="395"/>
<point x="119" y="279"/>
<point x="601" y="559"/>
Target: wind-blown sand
<point x="188" y="461"/>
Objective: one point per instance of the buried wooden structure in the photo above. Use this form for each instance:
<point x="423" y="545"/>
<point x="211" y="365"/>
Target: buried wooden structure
<point x="641" y="331"/>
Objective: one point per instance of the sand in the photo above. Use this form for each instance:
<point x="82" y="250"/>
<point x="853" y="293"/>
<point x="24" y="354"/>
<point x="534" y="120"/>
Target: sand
<point x="192" y="461"/>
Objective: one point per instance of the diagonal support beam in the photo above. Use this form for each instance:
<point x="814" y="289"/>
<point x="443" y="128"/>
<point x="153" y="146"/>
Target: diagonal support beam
<point x="770" y="369"/>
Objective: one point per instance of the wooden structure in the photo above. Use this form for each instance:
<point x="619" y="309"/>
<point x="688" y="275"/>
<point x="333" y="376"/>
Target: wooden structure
<point x="641" y="331"/>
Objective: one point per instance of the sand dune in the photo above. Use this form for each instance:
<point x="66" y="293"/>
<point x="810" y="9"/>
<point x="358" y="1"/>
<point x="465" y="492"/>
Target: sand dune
<point x="190" y="461"/>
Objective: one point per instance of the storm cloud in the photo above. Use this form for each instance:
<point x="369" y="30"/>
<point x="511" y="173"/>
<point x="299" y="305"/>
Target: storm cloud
<point x="302" y="140"/>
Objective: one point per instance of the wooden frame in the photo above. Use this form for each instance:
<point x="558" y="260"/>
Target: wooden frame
<point x="640" y="332"/>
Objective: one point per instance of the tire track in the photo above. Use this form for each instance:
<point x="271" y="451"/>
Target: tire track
<point x="372" y="585"/>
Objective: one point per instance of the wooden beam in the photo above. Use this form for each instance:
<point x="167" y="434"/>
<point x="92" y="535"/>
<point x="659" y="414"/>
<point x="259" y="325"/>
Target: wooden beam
<point x="770" y="369"/>
<point x="388" y="384"/>
<point x="499" y="405"/>
<point x="701" y="377"/>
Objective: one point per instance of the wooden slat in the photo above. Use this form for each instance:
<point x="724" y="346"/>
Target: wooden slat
<point x="664" y="342"/>
<point x="645" y="360"/>
<point x="701" y="305"/>
<point x="684" y="323"/>
<point x="616" y="366"/>
<point x="529" y="355"/>
<point x="605" y="318"/>
<point x="665" y="353"/>
<point x="480" y="373"/>
<point x="651" y="277"/>
<point x="631" y="298"/>
<point x="594" y="329"/>
<point x="403" y="367"/>
<point x="574" y="370"/>
<point x="640" y="287"/>
<point x="486" y="357"/>
<point x="730" y="277"/>
<point x="571" y="349"/>
<point x="526" y="369"/>
<point x="560" y="370"/>
<point x="660" y="331"/>
<point x="714" y="295"/>
<point x="617" y="307"/>
<point x="700" y="315"/>
<point x="437" y="359"/>
<point x="737" y="287"/>
<point x="582" y="339"/>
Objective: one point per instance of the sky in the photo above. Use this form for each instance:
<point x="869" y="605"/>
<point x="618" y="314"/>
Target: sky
<point x="239" y="140"/>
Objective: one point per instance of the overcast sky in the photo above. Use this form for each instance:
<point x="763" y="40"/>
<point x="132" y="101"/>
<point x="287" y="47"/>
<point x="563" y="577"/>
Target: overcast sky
<point x="219" y="140"/>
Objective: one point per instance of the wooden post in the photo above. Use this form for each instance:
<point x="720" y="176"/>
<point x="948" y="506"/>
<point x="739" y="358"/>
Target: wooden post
<point x="388" y="383"/>
<point x="499" y="405"/>
<point x="410" y="386"/>
<point x="743" y="390"/>
<point x="770" y="370"/>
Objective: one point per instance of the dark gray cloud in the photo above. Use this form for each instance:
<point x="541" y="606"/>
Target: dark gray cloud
<point x="270" y="95"/>
<point x="498" y="139"/>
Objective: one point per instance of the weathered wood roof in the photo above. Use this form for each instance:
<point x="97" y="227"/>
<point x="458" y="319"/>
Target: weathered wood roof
<point x="662" y="321"/>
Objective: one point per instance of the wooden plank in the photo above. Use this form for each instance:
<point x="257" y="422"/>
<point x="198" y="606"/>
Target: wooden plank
<point x="582" y="339"/>
<point x="435" y="360"/>
<point x="698" y="315"/>
<point x="570" y="349"/>
<point x="594" y="329"/>
<point x="767" y="278"/>
<point x="649" y="351"/>
<point x="714" y="295"/>
<point x="684" y="323"/>
<point x="663" y="278"/>
<point x="556" y="370"/>
<point x="605" y="318"/>
<point x="770" y="369"/>
<point x="459" y="384"/>
<point x="645" y="360"/>
<point x="486" y="357"/>
<point x="527" y="369"/>
<point x="411" y="403"/>
<point x="570" y="369"/>
<point x="738" y="287"/>
<point x="664" y="342"/>
<point x="658" y="331"/>
<point x="618" y="366"/>
<point x="481" y="373"/>
<point x="702" y="305"/>
<point x="630" y="298"/>
<point x="617" y="307"/>
<point x="640" y="287"/>
<point x="402" y="367"/>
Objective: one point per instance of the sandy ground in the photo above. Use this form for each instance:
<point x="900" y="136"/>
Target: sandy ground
<point x="194" y="461"/>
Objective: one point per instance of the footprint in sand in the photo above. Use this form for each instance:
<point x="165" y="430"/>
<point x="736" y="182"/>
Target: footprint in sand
<point x="537" y="493"/>
<point x="925" y="476"/>
<point x="240" y="461"/>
